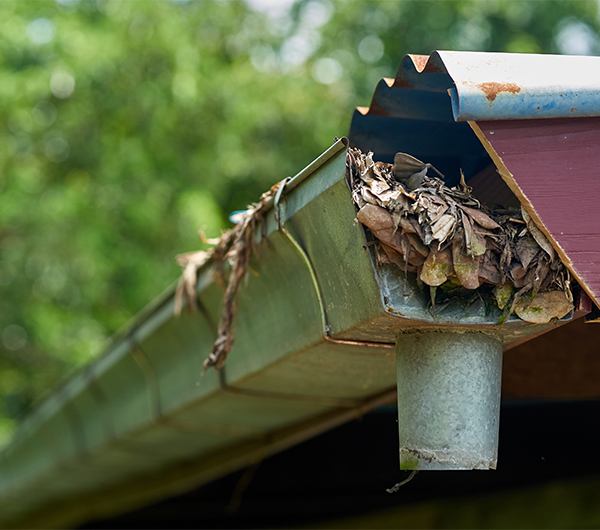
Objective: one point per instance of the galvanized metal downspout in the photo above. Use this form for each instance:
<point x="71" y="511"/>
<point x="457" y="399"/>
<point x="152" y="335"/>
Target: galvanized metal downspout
<point x="448" y="399"/>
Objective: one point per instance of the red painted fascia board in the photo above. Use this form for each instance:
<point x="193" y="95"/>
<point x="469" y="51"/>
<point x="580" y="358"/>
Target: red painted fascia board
<point x="553" y="167"/>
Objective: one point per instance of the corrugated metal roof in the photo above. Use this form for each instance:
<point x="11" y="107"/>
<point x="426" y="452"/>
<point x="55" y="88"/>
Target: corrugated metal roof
<point x="504" y="86"/>
<point x="424" y="109"/>
<point x="513" y="86"/>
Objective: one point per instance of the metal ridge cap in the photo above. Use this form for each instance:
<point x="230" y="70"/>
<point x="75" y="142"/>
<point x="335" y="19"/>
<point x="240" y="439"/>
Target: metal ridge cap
<point x="495" y="86"/>
<point x="502" y="86"/>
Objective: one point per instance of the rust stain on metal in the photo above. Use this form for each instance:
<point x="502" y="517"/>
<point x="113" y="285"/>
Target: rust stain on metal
<point x="420" y="61"/>
<point x="434" y="69"/>
<point x="377" y="109"/>
<point x="493" y="88"/>
<point x="401" y="83"/>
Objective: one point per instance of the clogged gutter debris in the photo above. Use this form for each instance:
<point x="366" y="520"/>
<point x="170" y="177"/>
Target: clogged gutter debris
<point x="453" y="242"/>
<point x="443" y="235"/>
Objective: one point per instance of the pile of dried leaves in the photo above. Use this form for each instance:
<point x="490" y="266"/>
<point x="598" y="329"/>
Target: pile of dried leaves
<point x="451" y="241"/>
<point x="235" y="248"/>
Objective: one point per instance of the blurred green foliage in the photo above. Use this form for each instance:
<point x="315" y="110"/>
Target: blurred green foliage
<point x="125" y="126"/>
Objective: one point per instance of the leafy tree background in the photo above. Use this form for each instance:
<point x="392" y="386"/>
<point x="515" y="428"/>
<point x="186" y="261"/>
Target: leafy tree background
<point x="125" y="126"/>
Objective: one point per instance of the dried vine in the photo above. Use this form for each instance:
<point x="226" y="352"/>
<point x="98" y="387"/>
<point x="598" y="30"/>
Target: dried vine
<point x="234" y="247"/>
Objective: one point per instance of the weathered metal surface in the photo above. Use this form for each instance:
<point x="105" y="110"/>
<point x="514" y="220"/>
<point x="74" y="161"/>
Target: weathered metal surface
<point x="448" y="399"/>
<point x="551" y="166"/>
<point x="497" y="86"/>
<point x="506" y="86"/>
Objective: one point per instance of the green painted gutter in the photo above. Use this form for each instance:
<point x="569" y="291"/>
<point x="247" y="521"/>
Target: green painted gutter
<point x="315" y="336"/>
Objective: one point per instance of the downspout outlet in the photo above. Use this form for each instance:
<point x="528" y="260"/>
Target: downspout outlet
<point x="448" y="399"/>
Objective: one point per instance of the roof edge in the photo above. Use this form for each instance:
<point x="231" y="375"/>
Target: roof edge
<point x="504" y="86"/>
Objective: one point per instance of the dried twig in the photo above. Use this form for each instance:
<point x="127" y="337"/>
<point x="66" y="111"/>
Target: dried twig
<point x="397" y="486"/>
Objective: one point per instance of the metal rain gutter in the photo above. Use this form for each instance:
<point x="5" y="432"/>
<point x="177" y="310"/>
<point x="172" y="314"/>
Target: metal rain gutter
<point x="315" y="338"/>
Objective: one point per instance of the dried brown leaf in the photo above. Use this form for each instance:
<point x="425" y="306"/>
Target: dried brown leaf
<point x="480" y="217"/>
<point x="464" y="188"/>
<point x="443" y="228"/>
<point x="186" y="288"/>
<point x="409" y="252"/>
<point x="474" y="243"/>
<point x="517" y="273"/>
<point x="406" y="165"/>
<point x="369" y="197"/>
<point x="380" y="222"/>
<point x="418" y="245"/>
<point x="379" y="187"/>
<point x="527" y="249"/>
<point x="488" y="269"/>
<point x="537" y="234"/>
<point x="437" y="267"/>
<point x="417" y="227"/>
<point x="466" y="267"/>
<point x="544" y="307"/>
<point x="381" y="168"/>
<point x="395" y="257"/>
<point x="357" y="198"/>
<point x="505" y="258"/>
<point x="393" y="200"/>
<point x="540" y="274"/>
<point x="406" y="225"/>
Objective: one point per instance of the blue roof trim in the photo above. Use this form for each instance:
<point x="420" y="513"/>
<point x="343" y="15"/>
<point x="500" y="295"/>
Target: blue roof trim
<point x="507" y="86"/>
<point x="497" y="86"/>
